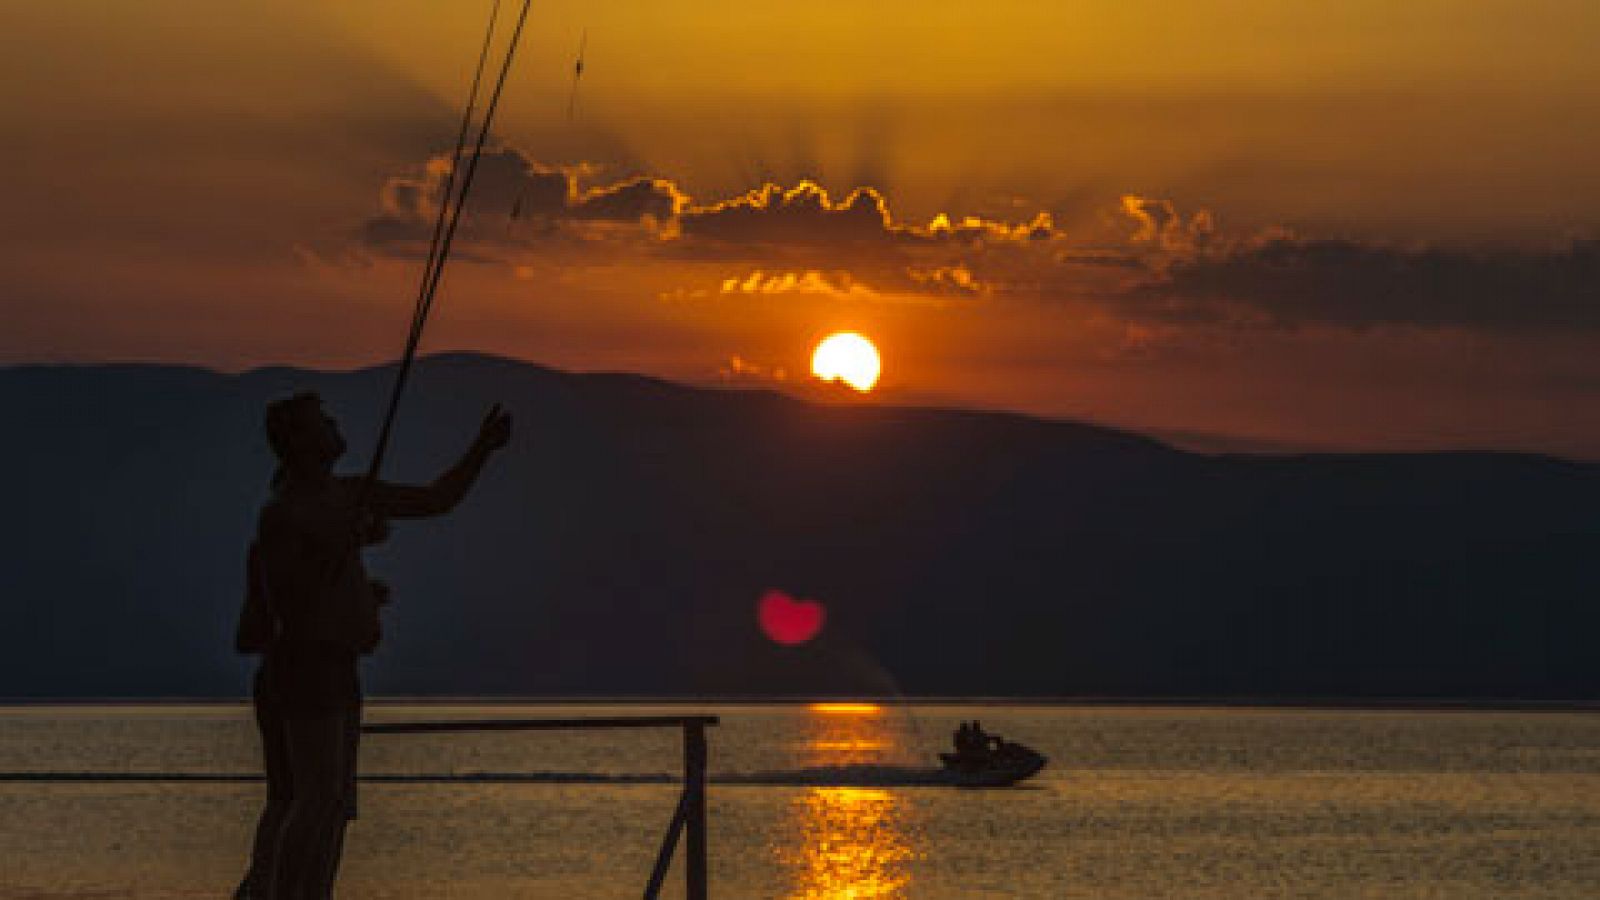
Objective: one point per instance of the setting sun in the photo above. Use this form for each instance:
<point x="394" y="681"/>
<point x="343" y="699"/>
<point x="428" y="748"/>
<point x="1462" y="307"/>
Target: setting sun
<point x="848" y="357"/>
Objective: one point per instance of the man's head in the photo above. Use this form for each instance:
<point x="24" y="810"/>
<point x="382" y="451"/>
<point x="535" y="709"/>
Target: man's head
<point x="305" y="439"/>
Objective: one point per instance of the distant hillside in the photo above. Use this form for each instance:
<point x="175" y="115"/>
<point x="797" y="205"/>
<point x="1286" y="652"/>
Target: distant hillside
<point x="619" y="547"/>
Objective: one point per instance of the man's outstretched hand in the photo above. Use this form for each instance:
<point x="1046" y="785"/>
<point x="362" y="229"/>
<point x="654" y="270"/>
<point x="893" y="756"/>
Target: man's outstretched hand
<point x="495" y="432"/>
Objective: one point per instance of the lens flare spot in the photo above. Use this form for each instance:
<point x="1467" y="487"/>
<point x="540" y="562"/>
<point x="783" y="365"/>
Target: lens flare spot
<point x="788" y="620"/>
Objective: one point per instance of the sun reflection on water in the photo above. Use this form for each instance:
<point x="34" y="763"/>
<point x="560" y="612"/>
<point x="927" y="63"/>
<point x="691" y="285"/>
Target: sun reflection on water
<point x="852" y="845"/>
<point x="849" y="843"/>
<point x="846" y="709"/>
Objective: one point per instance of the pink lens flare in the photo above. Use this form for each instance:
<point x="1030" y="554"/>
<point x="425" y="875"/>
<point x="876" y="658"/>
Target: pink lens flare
<point x="789" y="620"/>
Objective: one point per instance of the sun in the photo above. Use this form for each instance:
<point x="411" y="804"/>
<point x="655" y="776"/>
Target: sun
<point x="848" y="357"/>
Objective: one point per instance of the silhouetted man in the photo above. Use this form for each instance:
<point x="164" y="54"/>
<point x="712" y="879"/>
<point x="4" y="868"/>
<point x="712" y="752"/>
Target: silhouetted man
<point x="312" y="612"/>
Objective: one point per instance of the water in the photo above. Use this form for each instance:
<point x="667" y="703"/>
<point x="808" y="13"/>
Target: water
<point x="1137" y="802"/>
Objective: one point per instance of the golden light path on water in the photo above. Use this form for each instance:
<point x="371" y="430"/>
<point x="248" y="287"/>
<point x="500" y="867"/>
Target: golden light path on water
<point x="849" y="843"/>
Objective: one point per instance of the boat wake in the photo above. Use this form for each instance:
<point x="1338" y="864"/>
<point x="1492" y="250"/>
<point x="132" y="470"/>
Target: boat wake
<point x="859" y="775"/>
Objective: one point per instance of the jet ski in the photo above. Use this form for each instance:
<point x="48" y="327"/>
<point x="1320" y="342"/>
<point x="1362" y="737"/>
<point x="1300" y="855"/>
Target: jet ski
<point x="1001" y="763"/>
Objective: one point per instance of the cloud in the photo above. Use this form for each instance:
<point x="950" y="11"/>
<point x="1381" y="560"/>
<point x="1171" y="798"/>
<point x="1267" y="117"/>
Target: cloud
<point x="638" y="199"/>
<point x="737" y="370"/>
<point x="952" y="279"/>
<point x="1155" y="265"/>
<point x="1285" y="281"/>
<point x="510" y="186"/>
<point x="1159" y="224"/>
<point x="810" y="281"/>
<point x="803" y="214"/>
<point x="512" y="198"/>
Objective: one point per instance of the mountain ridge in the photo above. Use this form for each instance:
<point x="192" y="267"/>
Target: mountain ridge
<point x="620" y="544"/>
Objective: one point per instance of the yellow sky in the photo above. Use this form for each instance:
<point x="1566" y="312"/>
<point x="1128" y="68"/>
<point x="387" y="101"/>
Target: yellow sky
<point x="940" y="46"/>
<point x="955" y="101"/>
<point x="1419" y="119"/>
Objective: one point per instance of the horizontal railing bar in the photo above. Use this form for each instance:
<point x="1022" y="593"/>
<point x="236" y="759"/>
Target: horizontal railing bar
<point x="378" y="778"/>
<point x="538" y="724"/>
<point x="152" y="777"/>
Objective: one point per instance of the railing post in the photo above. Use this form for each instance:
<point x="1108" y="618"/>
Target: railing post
<point x="694" y="792"/>
<point x="690" y="814"/>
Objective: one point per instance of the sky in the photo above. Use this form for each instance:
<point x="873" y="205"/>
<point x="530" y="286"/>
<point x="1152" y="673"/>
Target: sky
<point x="1236" y="224"/>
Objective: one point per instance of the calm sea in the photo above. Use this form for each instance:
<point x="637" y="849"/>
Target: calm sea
<point x="1136" y="802"/>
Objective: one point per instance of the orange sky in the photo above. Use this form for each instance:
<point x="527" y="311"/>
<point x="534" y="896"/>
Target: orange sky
<point x="1359" y="224"/>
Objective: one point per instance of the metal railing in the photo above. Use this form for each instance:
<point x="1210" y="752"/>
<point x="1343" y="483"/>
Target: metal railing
<point x="688" y="818"/>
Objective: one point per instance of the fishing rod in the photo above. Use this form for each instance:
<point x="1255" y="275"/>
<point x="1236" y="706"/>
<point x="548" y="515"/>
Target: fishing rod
<point x="447" y="199"/>
<point x="445" y="224"/>
<point x="472" y="168"/>
<point x="447" y="193"/>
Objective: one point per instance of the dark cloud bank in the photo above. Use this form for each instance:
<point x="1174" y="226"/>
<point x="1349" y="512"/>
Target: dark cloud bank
<point x="1287" y="281"/>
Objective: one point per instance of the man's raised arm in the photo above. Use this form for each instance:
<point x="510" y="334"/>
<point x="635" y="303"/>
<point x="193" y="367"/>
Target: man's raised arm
<point x="408" y="501"/>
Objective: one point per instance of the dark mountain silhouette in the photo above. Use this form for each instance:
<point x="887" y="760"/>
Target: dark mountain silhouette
<point x="620" y="545"/>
